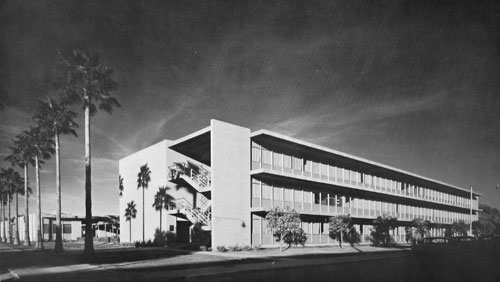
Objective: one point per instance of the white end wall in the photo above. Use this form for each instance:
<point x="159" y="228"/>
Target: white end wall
<point x="230" y="163"/>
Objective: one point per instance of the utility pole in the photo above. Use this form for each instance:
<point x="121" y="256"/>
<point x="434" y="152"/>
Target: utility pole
<point x="470" y="211"/>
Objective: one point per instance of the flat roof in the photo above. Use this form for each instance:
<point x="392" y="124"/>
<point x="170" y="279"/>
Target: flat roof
<point x="264" y="132"/>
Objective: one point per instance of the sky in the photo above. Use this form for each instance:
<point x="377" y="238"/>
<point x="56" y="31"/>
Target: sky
<point x="410" y="84"/>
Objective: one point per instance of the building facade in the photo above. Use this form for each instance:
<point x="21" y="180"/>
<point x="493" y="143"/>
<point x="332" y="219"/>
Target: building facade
<point x="226" y="178"/>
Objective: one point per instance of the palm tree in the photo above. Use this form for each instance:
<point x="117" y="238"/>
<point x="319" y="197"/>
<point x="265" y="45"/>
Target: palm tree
<point x="43" y="148"/>
<point x="22" y="155"/>
<point x="143" y="179"/>
<point x="56" y="119"/>
<point x="162" y="201"/>
<point x="120" y="184"/>
<point x="87" y="81"/>
<point x="8" y="190"/>
<point x="130" y="212"/>
<point x="15" y="186"/>
<point x="4" y="198"/>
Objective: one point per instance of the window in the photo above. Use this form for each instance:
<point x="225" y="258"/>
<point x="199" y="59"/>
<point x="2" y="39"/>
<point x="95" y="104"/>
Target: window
<point x="315" y="168"/>
<point x="307" y="197"/>
<point x="298" y="196"/>
<point x="288" y="195"/>
<point x="266" y="191"/>
<point x="276" y="159"/>
<point x="172" y="228"/>
<point x="317" y="198"/>
<point x="266" y="156"/>
<point x="66" y="228"/>
<point x="278" y="193"/>
<point x="255" y="152"/>
<point x="256" y="189"/>
<point x="297" y="164"/>
<point x="287" y="161"/>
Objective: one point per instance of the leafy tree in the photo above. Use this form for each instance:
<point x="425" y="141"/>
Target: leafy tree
<point x="421" y="228"/>
<point x="285" y="226"/>
<point x="162" y="201"/>
<point x="22" y="156"/>
<point x="120" y="184"/>
<point x="130" y="212"/>
<point x="143" y="179"/>
<point x="488" y="223"/>
<point x="339" y="226"/>
<point x="459" y="228"/>
<point x="43" y="148"/>
<point x="55" y="118"/>
<point x="381" y="229"/>
<point x="87" y="81"/>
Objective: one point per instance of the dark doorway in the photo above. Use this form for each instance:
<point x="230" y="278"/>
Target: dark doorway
<point x="183" y="231"/>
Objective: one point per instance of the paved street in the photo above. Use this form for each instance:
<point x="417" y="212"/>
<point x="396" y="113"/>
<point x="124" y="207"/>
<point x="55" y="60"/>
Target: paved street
<point x="361" y="263"/>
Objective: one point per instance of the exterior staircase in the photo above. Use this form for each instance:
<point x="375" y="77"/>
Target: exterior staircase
<point x="199" y="179"/>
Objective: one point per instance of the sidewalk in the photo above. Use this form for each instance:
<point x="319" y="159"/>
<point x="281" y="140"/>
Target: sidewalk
<point x="172" y="260"/>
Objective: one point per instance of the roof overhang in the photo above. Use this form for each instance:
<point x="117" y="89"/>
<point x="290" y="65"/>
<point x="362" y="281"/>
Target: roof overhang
<point x="195" y="145"/>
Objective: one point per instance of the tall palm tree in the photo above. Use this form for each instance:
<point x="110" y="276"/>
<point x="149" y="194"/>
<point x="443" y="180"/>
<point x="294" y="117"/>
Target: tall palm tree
<point x="120" y="184"/>
<point x="15" y="187"/>
<point x="130" y="212"/>
<point x="55" y="118"/>
<point x="143" y="179"/>
<point x="4" y="198"/>
<point x="162" y="201"/>
<point x="7" y="176"/>
<point x="43" y="148"/>
<point x="22" y="155"/>
<point x="88" y="82"/>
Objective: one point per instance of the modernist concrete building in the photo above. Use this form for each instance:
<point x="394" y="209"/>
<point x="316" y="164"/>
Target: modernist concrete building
<point x="226" y="177"/>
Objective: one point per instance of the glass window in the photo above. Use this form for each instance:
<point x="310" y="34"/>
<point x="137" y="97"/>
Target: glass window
<point x="266" y="191"/>
<point x="255" y="152"/>
<point x="298" y="196"/>
<point x="307" y="197"/>
<point x="278" y="193"/>
<point x="288" y="195"/>
<point x="317" y="198"/>
<point x="324" y="169"/>
<point x="266" y="156"/>
<point x="66" y="228"/>
<point x="256" y="189"/>
<point x="315" y="167"/>
<point x="287" y="161"/>
<point x="276" y="159"/>
<point x="297" y="163"/>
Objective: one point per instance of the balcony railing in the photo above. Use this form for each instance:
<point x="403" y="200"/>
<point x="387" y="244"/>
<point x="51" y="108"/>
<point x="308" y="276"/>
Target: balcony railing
<point x="199" y="177"/>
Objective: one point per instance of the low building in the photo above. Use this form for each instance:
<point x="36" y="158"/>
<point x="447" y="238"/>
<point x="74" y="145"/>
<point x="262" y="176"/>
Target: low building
<point x="226" y="178"/>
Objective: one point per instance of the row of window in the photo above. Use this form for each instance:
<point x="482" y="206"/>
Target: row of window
<point x="267" y="196"/>
<point x="264" y="158"/>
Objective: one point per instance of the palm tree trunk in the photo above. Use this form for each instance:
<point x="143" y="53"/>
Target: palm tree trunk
<point x="16" y="222"/>
<point x="143" y="217"/>
<point x="39" y="239"/>
<point x="130" y="228"/>
<point x="160" y="220"/>
<point x="26" y="241"/>
<point x="9" y="235"/>
<point x="59" y="244"/>
<point x="89" y="244"/>
<point x="4" y="236"/>
<point x="341" y="238"/>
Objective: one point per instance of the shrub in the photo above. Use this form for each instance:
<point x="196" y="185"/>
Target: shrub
<point x="246" y="248"/>
<point x="221" y="249"/>
<point x="203" y="248"/>
<point x="160" y="238"/>
<point x="137" y="244"/>
<point x="234" y="248"/>
<point x="256" y="247"/>
<point x="170" y="237"/>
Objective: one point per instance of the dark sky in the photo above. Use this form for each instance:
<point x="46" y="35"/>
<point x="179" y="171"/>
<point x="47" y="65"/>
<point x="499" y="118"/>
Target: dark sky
<point x="411" y="84"/>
